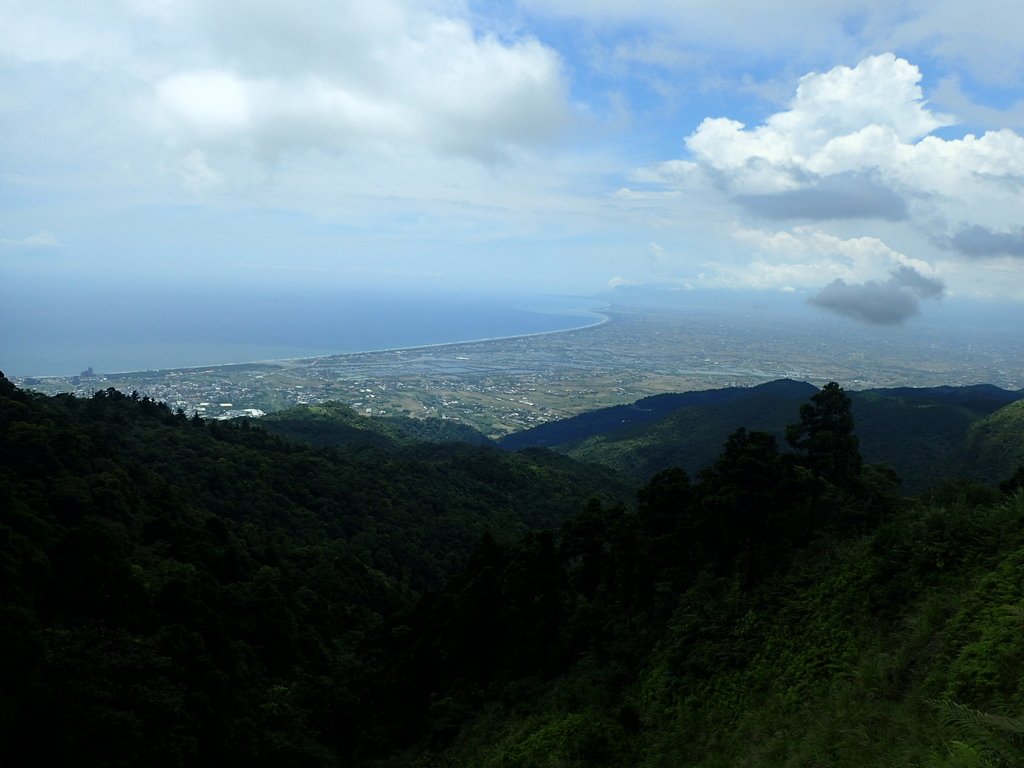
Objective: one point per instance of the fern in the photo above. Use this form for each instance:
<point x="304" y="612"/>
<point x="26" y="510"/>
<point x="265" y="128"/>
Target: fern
<point x="988" y="739"/>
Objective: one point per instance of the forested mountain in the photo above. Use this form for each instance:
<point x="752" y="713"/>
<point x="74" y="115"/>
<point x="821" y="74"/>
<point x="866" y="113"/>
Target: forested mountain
<point x="604" y="421"/>
<point x="336" y="424"/>
<point x="994" y="443"/>
<point x="174" y="587"/>
<point x="928" y="435"/>
<point x="179" y="592"/>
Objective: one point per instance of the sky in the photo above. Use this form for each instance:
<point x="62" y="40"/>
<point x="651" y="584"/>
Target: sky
<point x="868" y="156"/>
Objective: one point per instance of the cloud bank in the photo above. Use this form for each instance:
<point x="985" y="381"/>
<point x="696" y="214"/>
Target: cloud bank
<point x="476" y="144"/>
<point x="390" y="77"/>
<point x="857" y="144"/>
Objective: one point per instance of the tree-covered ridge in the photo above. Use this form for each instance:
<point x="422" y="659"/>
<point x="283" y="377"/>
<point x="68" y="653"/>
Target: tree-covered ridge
<point x="180" y="592"/>
<point x="994" y="443"/>
<point x="336" y="424"/>
<point x="783" y="609"/>
<point x="176" y="589"/>
<point x="928" y="435"/>
<point x="648" y="410"/>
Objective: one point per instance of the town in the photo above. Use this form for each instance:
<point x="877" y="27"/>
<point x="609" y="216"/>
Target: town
<point x="504" y="385"/>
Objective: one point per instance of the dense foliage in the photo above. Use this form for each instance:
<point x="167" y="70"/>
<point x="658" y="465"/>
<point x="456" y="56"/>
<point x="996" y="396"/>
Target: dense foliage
<point x="175" y="588"/>
<point x="335" y="424"/>
<point x="928" y="435"/>
<point x="178" y="591"/>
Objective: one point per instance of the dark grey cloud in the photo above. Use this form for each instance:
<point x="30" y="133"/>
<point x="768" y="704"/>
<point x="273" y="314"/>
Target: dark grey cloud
<point x="921" y="286"/>
<point x="981" y="241"/>
<point x="890" y="302"/>
<point x="842" y="196"/>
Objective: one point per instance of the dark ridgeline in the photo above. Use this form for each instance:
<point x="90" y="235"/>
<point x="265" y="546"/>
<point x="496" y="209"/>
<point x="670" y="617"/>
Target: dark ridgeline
<point x="929" y="435"/>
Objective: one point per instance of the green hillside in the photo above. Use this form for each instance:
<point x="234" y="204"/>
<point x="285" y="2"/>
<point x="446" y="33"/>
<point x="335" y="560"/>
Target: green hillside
<point x="177" y="592"/>
<point x="690" y="437"/>
<point x="927" y="435"/>
<point x="336" y="424"/>
<point x="995" y="444"/>
<point x="900" y="649"/>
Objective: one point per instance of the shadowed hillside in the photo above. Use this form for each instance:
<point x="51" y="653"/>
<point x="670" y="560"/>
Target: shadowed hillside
<point x="928" y="435"/>
<point x="178" y="592"/>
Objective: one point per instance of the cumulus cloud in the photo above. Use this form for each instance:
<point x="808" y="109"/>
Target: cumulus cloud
<point x="855" y="142"/>
<point x="394" y="76"/>
<point x="361" y="114"/>
<point x="849" y="120"/>
<point x="888" y="302"/>
<point x="806" y="256"/>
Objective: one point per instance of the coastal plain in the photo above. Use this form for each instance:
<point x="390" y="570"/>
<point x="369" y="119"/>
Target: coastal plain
<point x="500" y="386"/>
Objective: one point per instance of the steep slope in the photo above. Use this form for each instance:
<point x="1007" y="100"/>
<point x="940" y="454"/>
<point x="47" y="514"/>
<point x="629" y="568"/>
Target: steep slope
<point x="994" y="448"/>
<point x="901" y="648"/>
<point x="923" y="433"/>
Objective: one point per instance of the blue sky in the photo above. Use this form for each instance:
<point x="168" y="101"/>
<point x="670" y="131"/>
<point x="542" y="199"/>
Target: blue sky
<point x="866" y="155"/>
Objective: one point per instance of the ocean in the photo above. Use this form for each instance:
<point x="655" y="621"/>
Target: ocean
<point x="114" y="332"/>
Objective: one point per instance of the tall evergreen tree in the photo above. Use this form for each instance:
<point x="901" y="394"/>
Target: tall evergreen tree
<point x="826" y="439"/>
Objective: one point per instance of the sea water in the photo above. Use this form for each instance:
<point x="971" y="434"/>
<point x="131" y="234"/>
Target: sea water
<point x="114" y="332"/>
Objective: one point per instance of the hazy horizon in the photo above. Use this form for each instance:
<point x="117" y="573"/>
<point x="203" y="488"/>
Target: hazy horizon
<point x="114" y="332"/>
<point x="863" y="158"/>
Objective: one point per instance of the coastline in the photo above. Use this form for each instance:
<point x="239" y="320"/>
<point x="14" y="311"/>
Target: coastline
<point x="604" y="318"/>
<point x="289" y="363"/>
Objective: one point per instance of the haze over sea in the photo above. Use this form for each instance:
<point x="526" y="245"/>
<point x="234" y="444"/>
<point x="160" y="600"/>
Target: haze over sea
<point x="115" y="332"/>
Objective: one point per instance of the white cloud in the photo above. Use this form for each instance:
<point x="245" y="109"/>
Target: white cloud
<point x="391" y="77"/>
<point x="847" y="119"/>
<point x="208" y="103"/>
<point x="157" y="86"/>
<point x="621" y="282"/>
<point x="855" y="143"/>
<point x="808" y="257"/>
<point x="433" y="135"/>
<point x="40" y="240"/>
